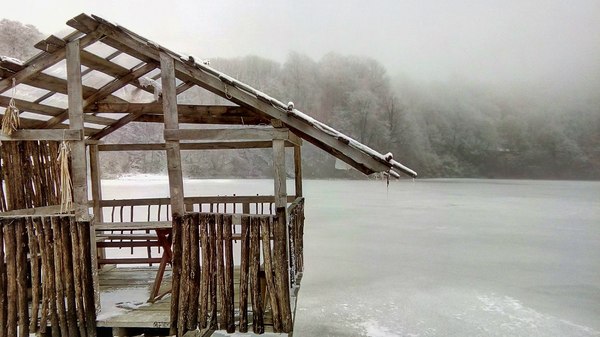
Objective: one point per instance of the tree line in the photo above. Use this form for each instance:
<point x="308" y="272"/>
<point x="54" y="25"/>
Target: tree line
<point x="450" y="129"/>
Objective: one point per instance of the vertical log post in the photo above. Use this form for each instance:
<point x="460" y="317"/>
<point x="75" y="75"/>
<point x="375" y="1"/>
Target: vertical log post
<point x="68" y="275"/>
<point x="205" y="271"/>
<point x="280" y="235"/>
<point x="265" y="225"/>
<point x="298" y="170"/>
<point x="212" y="238"/>
<point x="22" y="269"/>
<point x="229" y="288"/>
<point x="35" y="275"/>
<point x="257" y="306"/>
<point x="195" y="270"/>
<point x="3" y="280"/>
<point x="11" y="277"/>
<point x="58" y="275"/>
<point x="221" y="271"/>
<point x="243" y="302"/>
<point x="176" y="277"/>
<point x="184" y="277"/>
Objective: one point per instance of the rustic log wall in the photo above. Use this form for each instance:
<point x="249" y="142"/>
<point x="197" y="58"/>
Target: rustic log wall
<point x="205" y="292"/>
<point x="30" y="174"/>
<point x="47" y="277"/>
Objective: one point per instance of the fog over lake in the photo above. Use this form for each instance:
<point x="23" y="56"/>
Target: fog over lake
<point x="441" y="257"/>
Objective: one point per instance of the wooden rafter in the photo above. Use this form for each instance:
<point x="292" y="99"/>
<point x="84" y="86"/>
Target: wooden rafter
<point x="106" y="90"/>
<point x="340" y="149"/>
<point x="39" y="63"/>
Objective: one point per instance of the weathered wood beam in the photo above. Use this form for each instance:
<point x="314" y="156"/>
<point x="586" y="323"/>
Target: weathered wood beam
<point x="75" y="114"/>
<point x="224" y="145"/>
<point x="171" y="122"/>
<point x="38" y="134"/>
<point x="156" y="108"/>
<point x="47" y="82"/>
<point x="41" y="62"/>
<point x="205" y="78"/>
<point x="298" y="170"/>
<point x="106" y="90"/>
<point x="37" y="108"/>
<point x="112" y="69"/>
<point x="248" y="133"/>
<point x="203" y="119"/>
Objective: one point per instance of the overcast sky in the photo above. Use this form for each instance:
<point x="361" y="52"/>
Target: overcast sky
<point x="508" y="41"/>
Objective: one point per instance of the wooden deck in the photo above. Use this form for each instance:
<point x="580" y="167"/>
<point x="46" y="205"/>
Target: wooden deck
<point x="124" y="294"/>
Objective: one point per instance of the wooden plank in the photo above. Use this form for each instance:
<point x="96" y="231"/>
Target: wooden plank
<point x="96" y="177"/>
<point x="298" y="171"/>
<point x="223" y="145"/>
<point x="135" y="225"/>
<point x="212" y="252"/>
<point x="75" y="113"/>
<point x="247" y="133"/>
<point x="171" y="122"/>
<point x="34" y="134"/>
<point x="88" y="286"/>
<point x="193" y="200"/>
<point x="43" y="210"/>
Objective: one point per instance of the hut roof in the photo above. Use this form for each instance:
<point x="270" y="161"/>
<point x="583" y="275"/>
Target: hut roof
<point x="121" y="82"/>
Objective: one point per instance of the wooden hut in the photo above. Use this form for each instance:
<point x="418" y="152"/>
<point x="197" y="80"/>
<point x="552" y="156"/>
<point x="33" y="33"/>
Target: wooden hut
<point x="231" y="263"/>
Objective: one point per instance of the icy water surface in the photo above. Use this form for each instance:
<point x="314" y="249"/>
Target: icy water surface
<point x="439" y="257"/>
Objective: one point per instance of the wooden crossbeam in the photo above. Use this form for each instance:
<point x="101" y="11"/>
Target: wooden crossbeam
<point x="23" y="105"/>
<point x="248" y="133"/>
<point x="36" y="134"/>
<point x="222" y="145"/>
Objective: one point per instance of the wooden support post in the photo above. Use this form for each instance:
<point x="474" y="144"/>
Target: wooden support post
<point x="78" y="155"/>
<point x="96" y="182"/>
<point x="169" y="97"/>
<point x="298" y="170"/>
<point x="281" y="254"/>
<point x="78" y="160"/>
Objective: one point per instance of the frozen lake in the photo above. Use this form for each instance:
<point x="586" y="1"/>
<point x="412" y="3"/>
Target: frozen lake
<point x="442" y="257"/>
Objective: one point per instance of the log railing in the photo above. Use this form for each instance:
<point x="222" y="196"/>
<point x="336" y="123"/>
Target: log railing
<point x="151" y="213"/>
<point x="48" y="257"/>
<point x="205" y="292"/>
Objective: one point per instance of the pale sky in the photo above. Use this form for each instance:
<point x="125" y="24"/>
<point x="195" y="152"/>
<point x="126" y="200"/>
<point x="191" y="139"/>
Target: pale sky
<point x="509" y="41"/>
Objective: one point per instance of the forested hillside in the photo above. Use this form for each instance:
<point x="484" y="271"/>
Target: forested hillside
<point x="450" y="129"/>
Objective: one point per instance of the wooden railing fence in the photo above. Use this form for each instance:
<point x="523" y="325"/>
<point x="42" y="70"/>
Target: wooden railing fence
<point x="50" y="258"/>
<point x="204" y="289"/>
